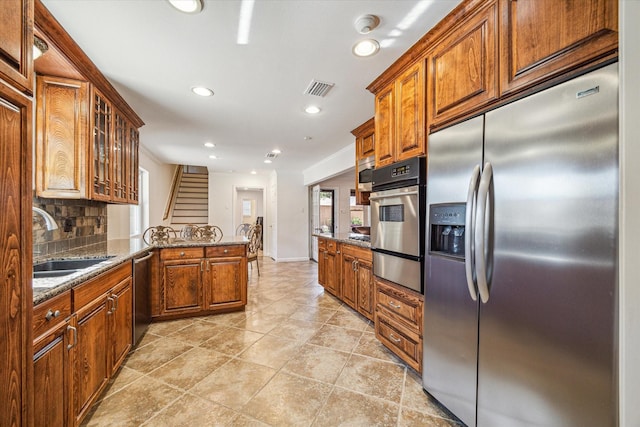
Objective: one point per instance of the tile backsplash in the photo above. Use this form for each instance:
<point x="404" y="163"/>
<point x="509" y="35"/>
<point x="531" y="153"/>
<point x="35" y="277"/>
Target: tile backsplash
<point x="80" y="223"/>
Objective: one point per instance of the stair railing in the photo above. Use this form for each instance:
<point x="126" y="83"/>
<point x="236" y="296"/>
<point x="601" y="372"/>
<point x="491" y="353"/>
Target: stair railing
<point x="173" y="194"/>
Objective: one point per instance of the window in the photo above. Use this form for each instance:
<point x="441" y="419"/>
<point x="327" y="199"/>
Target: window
<point x="139" y="214"/>
<point x="357" y="211"/>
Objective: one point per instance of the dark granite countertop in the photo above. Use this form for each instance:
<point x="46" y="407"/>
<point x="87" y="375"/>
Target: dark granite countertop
<point x="117" y="251"/>
<point x="349" y="238"/>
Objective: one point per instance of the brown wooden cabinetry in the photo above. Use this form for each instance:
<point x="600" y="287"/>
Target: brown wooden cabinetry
<point x="226" y="277"/>
<point x="100" y="152"/>
<point x="398" y="321"/>
<point x="182" y="271"/>
<point x="357" y="279"/>
<point x="400" y="117"/>
<point x="103" y="321"/>
<point x="541" y="39"/>
<point x="16" y="43"/>
<point x="200" y="280"/>
<point x="61" y="138"/>
<point x="328" y="263"/>
<point x="463" y="67"/>
<point x="365" y="152"/>
<point x="53" y="340"/>
<point x="16" y="301"/>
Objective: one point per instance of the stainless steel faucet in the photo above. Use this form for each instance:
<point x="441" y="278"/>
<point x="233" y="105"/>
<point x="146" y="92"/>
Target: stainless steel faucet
<point x="49" y="222"/>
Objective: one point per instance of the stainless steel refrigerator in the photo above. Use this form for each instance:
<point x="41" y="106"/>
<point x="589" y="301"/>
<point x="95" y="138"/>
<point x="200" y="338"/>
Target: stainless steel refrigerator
<point x="520" y="275"/>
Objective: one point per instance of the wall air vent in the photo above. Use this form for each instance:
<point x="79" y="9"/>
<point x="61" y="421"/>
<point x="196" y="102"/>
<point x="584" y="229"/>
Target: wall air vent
<point x="318" y="88"/>
<point x="271" y="155"/>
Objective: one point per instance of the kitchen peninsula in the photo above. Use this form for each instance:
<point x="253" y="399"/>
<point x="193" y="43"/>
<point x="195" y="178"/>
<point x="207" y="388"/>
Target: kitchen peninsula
<point x="83" y="321"/>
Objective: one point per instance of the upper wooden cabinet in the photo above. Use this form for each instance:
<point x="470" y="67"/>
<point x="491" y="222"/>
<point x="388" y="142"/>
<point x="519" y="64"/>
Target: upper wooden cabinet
<point x="400" y="117"/>
<point x="61" y="138"/>
<point x="365" y="156"/>
<point x="16" y="43"/>
<point x="463" y="67"/>
<point x="541" y="39"/>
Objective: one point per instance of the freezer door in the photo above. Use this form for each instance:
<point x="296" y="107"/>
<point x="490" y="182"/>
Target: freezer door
<point x="547" y="332"/>
<point x="450" y="314"/>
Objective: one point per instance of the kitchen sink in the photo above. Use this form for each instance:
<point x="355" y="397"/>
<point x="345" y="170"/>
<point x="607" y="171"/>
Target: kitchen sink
<point x="63" y="267"/>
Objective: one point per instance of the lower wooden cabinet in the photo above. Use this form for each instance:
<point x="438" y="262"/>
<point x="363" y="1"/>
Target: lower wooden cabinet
<point x="398" y="321"/>
<point x="200" y="280"/>
<point x="329" y="266"/>
<point x="103" y="319"/>
<point x="346" y="271"/>
<point x="357" y="279"/>
<point x="53" y="342"/>
<point x="225" y="285"/>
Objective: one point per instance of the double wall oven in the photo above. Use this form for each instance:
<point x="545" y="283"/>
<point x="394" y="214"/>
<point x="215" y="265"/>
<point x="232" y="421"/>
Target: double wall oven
<point x="397" y="222"/>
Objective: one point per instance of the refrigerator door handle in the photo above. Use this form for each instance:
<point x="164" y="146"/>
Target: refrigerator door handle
<point x="469" y="222"/>
<point x="480" y="236"/>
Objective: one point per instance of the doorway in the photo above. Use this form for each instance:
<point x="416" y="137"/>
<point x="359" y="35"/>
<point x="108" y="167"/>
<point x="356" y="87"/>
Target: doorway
<point x="327" y="214"/>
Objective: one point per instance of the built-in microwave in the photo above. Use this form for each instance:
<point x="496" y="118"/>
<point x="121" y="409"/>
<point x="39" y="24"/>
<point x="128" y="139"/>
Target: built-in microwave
<point x="365" y="173"/>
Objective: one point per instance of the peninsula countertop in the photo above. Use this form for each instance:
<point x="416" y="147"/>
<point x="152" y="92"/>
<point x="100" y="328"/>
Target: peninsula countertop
<point x="117" y="252"/>
<point x="354" y="239"/>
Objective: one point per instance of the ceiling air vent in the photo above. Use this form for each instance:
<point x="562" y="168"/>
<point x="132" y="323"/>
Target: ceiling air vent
<point x="318" y="88"/>
<point x="271" y="155"/>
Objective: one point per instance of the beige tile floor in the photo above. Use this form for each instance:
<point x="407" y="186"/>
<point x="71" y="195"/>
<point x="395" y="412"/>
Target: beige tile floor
<point x="296" y="356"/>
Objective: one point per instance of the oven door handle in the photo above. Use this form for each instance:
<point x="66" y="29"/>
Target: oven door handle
<point x="388" y="196"/>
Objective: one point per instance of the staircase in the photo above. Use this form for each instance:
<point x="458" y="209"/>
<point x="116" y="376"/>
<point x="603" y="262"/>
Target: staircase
<point x="192" y="199"/>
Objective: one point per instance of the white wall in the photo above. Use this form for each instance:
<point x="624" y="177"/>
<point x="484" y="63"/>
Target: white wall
<point x="292" y="227"/>
<point x="331" y="166"/>
<point x="222" y="194"/>
<point x="271" y="221"/>
<point x="629" y="278"/>
<point x="160" y="176"/>
<point x="256" y="196"/>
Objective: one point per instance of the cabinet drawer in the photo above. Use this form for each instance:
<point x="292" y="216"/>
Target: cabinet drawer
<point x="225" y="251"/>
<point x="400" y="304"/>
<point x="50" y="313"/>
<point x="93" y="288"/>
<point x="404" y="343"/>
<point x="182" y="253"/>
<point x="332" y="246"/>
<point x="322" y="244"/>
<point x="361" y="253"/>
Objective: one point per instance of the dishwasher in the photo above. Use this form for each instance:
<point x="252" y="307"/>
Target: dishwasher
<point x="141" y="295"/>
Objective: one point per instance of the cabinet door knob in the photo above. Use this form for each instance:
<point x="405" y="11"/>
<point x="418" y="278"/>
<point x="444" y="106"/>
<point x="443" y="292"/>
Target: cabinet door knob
<point x="226" y="251"/>
<point x="52" y="314"/>
<point x="181" y="253"/>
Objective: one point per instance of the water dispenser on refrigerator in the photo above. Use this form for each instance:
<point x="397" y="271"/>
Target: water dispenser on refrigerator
<point x="446" y="226"/>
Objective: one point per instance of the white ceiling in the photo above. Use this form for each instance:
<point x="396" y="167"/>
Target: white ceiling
<point x="154" y="54"/>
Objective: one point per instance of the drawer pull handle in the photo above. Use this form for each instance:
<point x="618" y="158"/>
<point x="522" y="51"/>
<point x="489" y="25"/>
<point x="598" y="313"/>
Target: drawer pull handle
<point x="52" y="314"/>
<point x="75" y="337"/>
<point x="226" y="251"/>
<point x="394" y="305"/>
<point x="394" y="338"/>
<point x="181" y="253"/>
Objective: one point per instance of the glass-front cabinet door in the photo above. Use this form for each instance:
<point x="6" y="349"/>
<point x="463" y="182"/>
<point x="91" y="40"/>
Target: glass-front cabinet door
<point x="119" y="156"/>
<point x="133" y="145"/>
<point x="101" y="161"/>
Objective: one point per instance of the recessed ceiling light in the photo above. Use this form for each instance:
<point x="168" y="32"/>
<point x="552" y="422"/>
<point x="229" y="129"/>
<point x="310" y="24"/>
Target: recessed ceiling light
<point x="366" y="47"/>
<point x="213" y="156"/>
<point x="276" y="151"/>
<point x="307" y="138"/>
<point x="202" y="91"/>
<point x="253" y="172"/>
<point x="187" y="6"/>
<point x="312" y="109"/>
<point x="209" y="144"/>
<point x="267" y="161"/>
